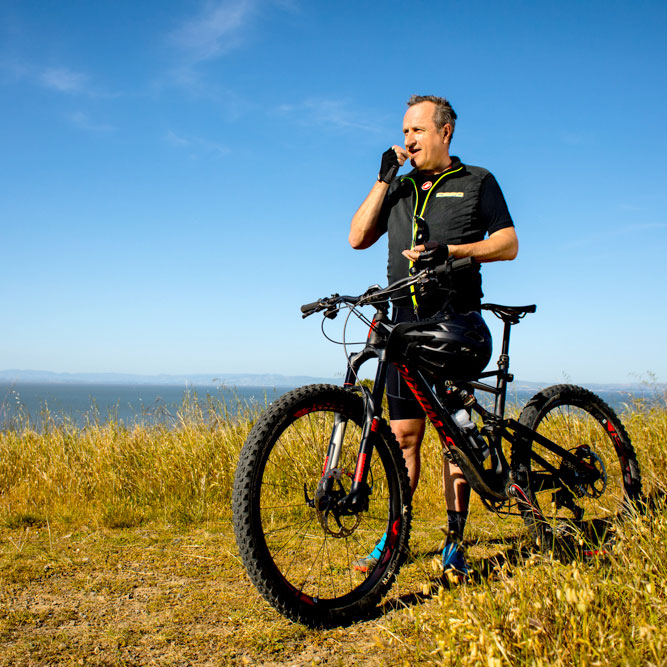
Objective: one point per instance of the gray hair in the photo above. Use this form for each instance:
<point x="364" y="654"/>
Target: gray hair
<point x="443" y="113"/>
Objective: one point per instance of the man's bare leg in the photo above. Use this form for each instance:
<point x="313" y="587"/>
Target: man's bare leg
<point x="410" y="433"/>
<point x="457" y="496"/>
<point x="457" y="489"/>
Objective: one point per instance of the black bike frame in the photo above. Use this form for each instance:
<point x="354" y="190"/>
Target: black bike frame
<point x="494" y="485"/>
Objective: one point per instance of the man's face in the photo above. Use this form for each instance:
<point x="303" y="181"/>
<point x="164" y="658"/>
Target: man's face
<point x="427" y="147"/>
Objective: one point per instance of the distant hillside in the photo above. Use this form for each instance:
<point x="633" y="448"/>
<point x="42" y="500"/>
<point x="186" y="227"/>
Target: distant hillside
<point x="259" y="380"/>
<point x="212" y="379"/>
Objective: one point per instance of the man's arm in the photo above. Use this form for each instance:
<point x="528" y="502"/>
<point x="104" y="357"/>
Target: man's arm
<point x="363" y="229"/>
<point x="501" y="245"/>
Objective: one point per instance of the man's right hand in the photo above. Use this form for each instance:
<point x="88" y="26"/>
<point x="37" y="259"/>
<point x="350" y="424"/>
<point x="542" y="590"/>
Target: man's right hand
<point x="392" y="160"/>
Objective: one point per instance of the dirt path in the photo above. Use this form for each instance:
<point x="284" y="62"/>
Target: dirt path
<point x="165" y="597"/>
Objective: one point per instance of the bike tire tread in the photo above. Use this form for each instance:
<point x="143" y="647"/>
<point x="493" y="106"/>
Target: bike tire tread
<point x="250" y="547"/>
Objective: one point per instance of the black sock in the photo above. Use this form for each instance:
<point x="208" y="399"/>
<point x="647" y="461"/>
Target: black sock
<point x="456" y="523"/>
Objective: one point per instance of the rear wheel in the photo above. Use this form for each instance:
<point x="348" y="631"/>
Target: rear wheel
<point x="599" y="488"/>
<point x="297" y="548"/>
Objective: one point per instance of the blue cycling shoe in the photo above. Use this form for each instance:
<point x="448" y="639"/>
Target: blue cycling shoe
<point x="454" y="566"/>
<point x="368" y="562"/>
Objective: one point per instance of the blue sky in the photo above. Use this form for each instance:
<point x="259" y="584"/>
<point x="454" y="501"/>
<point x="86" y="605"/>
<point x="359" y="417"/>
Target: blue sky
<point x="178" y="177"/>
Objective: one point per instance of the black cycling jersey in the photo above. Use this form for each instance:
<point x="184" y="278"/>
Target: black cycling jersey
<point x="461" y="205"/>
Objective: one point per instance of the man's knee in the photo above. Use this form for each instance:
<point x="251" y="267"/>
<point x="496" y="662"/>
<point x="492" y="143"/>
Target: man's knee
<point x="408" y="432"/>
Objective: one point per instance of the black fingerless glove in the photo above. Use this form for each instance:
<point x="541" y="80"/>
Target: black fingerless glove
<point x="389" y="166"/>
<point x="434" y="255"/>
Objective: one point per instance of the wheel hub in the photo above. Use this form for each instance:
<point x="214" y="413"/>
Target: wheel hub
<point x="330" y="492"/>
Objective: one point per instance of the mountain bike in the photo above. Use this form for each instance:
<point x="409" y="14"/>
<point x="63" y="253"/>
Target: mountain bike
<point x="321" y="477"/>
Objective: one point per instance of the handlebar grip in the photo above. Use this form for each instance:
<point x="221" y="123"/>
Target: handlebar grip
<point x="454" y="265"/>
<point x="462" y="263"/>
<point x="310" y="307"/>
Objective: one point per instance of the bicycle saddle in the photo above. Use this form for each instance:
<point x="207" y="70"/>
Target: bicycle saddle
<point x="511" y="314"/>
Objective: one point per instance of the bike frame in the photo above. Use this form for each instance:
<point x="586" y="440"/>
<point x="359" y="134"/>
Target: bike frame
<point x="496" y="485"/>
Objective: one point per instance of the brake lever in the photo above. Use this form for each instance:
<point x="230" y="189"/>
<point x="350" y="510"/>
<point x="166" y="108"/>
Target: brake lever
<point x="331" y="313"/>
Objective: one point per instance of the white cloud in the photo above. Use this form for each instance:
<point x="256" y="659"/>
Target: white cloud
<point x="84" y="122"/>
<point x="218" y="29"/>
<point x="196" y="145"/>
<point x="63" y="80"/>
<point x="333" y="113"/>
<point x="173" y="139"/>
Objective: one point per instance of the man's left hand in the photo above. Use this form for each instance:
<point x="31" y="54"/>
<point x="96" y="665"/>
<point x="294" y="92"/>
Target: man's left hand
<point x="429" y="254"/>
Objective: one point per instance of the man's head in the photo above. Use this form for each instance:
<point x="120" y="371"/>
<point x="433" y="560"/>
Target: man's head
<point x="428" y="126"/>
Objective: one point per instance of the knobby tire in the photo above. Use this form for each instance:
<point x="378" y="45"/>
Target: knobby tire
<point x="301" y="569"/>
<point x="573" y="417"/>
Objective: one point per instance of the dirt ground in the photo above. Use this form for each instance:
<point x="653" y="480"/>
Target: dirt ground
<point x="166" y="596"/>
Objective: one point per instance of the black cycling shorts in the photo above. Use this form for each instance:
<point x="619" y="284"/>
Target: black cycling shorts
<point x="402" y="402"/>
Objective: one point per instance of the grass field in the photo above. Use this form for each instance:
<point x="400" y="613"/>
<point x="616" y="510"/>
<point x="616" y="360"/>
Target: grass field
<point x="116" y="548"/>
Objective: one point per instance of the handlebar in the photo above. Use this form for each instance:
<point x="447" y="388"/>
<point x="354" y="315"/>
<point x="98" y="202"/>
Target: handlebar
<point x="376" y="294"/>
<point x="454" y="265"/>
<point x="309" y="308"/>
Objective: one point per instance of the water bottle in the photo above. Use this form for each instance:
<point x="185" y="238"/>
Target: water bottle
<point x="478" y="443"/>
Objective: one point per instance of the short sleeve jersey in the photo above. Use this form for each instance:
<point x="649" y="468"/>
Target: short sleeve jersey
<point x="461" y="205"/>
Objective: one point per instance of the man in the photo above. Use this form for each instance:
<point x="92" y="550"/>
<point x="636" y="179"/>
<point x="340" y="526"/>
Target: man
<point x="461" y="211"/>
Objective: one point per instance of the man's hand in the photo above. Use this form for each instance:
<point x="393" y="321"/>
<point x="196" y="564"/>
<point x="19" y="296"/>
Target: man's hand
<point x="392" y="160"/>
<point x="429" y="255"/>
<point x="501" y="245"/>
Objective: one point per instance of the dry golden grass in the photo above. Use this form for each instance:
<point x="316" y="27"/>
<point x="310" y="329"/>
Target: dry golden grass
<point x="116" y="548"/>
<point x="120" y="476"/>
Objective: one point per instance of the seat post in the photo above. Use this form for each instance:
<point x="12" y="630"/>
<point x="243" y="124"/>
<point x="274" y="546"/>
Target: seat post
<point x="503" y="367"/>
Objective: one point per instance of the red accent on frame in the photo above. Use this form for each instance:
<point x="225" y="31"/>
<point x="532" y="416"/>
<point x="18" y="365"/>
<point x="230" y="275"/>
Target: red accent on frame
<point x="428" y="409"/>
<point x="359" y="472"/>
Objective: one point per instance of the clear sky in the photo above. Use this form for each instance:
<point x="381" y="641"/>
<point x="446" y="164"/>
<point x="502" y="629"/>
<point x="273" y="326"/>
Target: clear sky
<point x="178" y="177"/>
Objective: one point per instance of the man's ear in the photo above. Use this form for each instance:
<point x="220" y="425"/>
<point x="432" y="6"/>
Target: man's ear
<point x="447" y="136"/>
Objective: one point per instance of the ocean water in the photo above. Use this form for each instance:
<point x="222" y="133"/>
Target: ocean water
<point x="130" y="404"/>
<point x="146" y="404"/>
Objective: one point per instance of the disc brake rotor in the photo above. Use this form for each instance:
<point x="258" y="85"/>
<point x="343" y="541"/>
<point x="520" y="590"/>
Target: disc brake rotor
<point x="329" y="492"/>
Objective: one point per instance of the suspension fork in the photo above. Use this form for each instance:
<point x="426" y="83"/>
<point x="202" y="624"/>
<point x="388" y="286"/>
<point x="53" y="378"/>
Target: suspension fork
<point x="372" y="416"/>
<point x="357" y="498"/>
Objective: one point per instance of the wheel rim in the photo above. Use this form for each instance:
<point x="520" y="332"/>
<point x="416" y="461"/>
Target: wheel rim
<point x="590" y="501"/>
<point x="317" y="563"/>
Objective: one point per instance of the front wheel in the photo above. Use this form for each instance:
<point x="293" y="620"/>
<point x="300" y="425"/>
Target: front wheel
<point x="298" y="552"/>
<point x="581" y="499"/>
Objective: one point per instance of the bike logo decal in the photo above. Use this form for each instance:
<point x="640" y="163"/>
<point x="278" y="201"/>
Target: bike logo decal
<point x="618" y="446"/>
<point x="300" y="594"/>
<point x="432" y="415"/>
<point x="313" y="408"/>
<point x="427" y="185"/>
